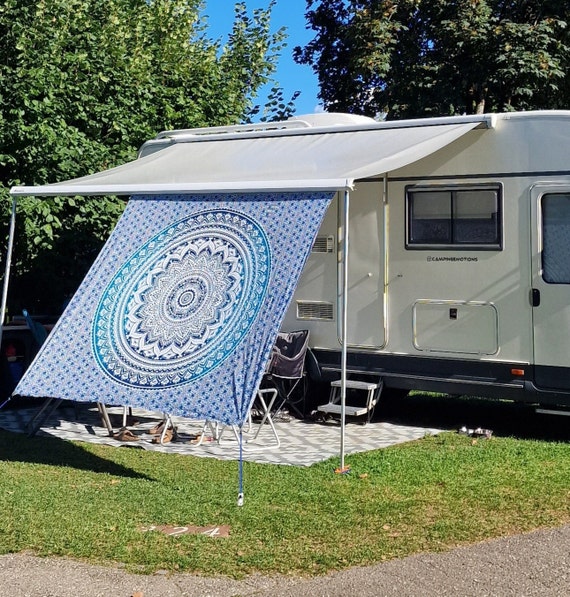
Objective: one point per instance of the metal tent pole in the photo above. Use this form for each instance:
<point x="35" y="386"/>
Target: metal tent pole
<point x="344" y="335"/>
<point x="8" y="265"/>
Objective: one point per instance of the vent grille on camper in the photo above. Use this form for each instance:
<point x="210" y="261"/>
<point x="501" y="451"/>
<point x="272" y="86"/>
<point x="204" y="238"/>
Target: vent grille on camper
<point x="323" y="244"/>
<point x="315" y="310"/>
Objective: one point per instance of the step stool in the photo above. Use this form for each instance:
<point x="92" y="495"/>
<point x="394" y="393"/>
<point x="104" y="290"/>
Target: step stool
<point x="333" y="406"/>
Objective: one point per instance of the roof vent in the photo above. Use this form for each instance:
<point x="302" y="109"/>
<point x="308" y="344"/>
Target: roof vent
<point x="332" y="119"/>
<point x="319" y="119"/>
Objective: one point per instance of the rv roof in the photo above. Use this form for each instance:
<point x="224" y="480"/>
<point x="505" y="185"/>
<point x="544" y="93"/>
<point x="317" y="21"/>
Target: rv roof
<point x="319" y="122"/>
<point x="337" y="121"/>
<point x="309" y="124"/>
<point x="327" y="119"/>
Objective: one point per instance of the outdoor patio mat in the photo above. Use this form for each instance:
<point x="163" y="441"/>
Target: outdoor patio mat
<point x="302" y="443"/>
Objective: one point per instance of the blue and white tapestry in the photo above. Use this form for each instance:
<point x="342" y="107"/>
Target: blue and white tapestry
<point x="180" y="309"/>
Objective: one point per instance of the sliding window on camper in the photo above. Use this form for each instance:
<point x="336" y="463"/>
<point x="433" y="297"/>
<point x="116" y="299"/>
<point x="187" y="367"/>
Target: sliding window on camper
<point x="556" y="238"/>
<point x="454" y="217"/>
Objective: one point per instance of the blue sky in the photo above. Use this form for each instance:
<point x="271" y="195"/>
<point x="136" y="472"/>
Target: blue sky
<point x="290" y="75"/>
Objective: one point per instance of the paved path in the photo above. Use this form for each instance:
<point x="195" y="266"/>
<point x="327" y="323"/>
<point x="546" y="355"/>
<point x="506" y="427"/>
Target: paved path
<point x="524" y="565"/>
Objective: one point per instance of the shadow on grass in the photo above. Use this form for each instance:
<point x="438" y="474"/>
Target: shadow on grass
<point x="16" y="447"/>
<point x="503" y="418"/>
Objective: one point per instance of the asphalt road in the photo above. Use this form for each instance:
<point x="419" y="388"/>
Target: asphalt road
<point x="527" y="565"/>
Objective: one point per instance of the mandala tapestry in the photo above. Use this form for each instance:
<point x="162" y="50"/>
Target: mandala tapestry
<point x="180" y="310"/>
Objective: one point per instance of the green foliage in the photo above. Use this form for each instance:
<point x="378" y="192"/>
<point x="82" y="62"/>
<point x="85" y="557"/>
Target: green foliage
<point x="277" y="107"/>
<point x="84" y="84"/>
<point x="418" y="58"/>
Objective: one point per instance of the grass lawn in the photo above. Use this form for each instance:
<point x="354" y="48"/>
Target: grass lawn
<point x="90" y="502"/>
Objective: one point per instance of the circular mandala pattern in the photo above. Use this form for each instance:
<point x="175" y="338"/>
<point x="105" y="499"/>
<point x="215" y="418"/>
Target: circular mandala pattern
<point x="181" y="304"/>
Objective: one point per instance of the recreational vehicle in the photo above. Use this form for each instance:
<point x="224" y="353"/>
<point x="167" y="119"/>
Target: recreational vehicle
<point x="443" y="261"/>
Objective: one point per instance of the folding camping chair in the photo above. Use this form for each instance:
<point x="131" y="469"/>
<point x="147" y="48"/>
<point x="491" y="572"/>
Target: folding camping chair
<point x="284" y="376"/>
<point x="286" y="371"/>
<point x="39" y="332"/>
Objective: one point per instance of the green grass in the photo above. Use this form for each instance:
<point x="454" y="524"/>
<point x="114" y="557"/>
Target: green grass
<point x="90" y="502"/>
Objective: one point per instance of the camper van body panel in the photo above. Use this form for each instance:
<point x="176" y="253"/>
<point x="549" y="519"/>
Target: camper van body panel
<point x="452" y="317"/>
<point x="494" y="277"/>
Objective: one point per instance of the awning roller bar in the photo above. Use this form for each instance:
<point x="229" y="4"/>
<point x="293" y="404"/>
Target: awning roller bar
<point x="278" y="186"/>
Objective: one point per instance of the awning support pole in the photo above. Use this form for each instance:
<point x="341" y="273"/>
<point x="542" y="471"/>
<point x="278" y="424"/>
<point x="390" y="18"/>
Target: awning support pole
<point x="344" y="334"/>
<point x="240" y="467"/>
<point x="9" y="250"/>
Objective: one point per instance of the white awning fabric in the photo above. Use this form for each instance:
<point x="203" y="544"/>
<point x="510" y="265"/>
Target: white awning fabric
<point x="309" y="160"/>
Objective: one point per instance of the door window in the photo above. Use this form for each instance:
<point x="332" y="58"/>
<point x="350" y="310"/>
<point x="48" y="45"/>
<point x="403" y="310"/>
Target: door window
<point x="556" y="238"/>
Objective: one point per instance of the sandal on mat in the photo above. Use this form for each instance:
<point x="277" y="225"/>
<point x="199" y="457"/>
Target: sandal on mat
<point x="157" y="428"/>
<point x="124" y="435"/>
<point x="168" y="436"/>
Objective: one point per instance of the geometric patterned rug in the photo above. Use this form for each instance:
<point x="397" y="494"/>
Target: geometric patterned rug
<point x="302" y="443"/>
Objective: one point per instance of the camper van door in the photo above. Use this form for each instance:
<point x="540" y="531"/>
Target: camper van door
<point x="550" y="292"/>
<point x="366" y="267"/>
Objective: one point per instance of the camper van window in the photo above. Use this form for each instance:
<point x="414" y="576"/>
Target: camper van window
<point x="466" y="217"/>
<point x="556" y="238"/>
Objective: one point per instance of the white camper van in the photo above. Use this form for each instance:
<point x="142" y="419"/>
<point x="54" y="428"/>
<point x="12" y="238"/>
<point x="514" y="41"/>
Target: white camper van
<point x="445" y="252"/>
<point x="458" y="267"/>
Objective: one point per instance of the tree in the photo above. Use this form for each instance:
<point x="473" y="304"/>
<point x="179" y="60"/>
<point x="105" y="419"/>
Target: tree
<point x="84" y="84"/>
<point x="416" y="58"/>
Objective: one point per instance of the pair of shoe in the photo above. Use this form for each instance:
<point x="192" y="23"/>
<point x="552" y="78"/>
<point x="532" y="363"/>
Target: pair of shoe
<point x="158" y="430"/>
<point x="124" y="435"/>
<point x="169" y="435"/>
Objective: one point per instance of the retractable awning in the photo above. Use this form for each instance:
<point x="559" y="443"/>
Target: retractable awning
<point x="320" y="158"/>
